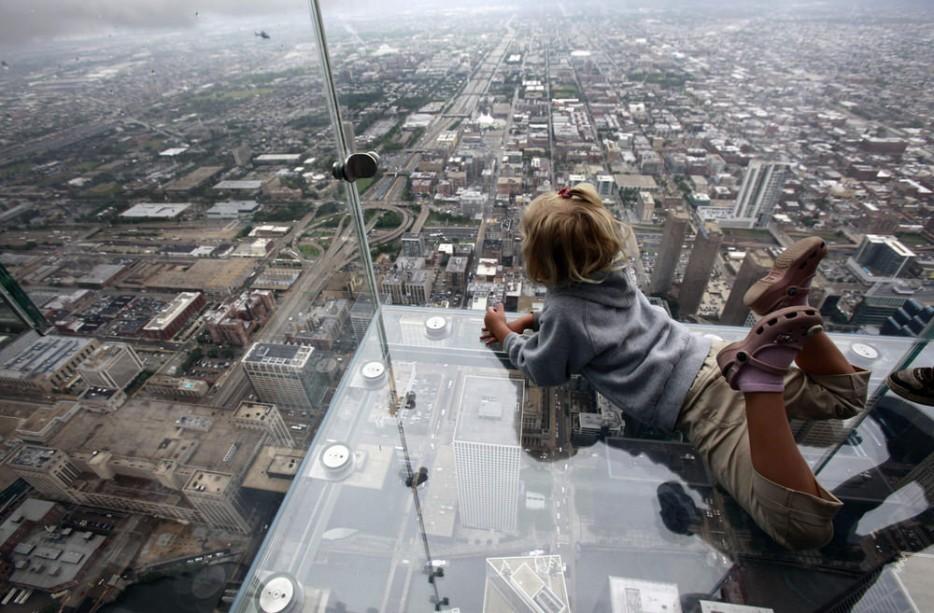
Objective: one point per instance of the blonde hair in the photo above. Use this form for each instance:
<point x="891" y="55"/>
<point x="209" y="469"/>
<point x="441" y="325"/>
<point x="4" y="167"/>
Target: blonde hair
<point x="569" y="238"/>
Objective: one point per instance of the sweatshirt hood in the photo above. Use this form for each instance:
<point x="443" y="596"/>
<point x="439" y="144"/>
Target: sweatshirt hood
<point x="611" y="289"/>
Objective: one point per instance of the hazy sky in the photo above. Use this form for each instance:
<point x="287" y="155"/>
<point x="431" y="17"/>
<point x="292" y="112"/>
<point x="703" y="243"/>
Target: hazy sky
<point x="23" y="20"/>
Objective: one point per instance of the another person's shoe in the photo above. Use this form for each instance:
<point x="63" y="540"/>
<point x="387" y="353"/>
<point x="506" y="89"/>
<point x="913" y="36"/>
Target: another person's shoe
<point x="789" y="281"/>
<point x="758" y="363"/>
<point x="915" y="384"/>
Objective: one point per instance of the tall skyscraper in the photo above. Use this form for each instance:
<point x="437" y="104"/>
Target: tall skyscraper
<point x="17" y="311"/>
<point x="820" y="434"/>
<point x="697" y="273"/>
<point x="361" y="313"/>
<point x="413" y="245"/>
<point x="487" y="452"/>
<point x="606" y="186"/>
<point x="885" y="590"/>
<point x="281" y="374"/>
<point x="50" y="471"/>
<point x="762" y="185"/>
<point x="669" y="251"/>
<point x="112" y="365"/>
<point x="525" y="584"/>
<point x="631" y="595"/>
<point x="645" y="207"/>
<point x="883" y="256"/>
<point x="755" y="265"/>
<point x="263" y="417"/>
<point x="408" y="282"/>
<point x="922" y="475"/>
<point x="216" y="496"/>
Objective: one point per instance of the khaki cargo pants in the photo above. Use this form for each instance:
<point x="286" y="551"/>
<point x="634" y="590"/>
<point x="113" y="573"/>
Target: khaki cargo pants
<point x="714" y="420"/>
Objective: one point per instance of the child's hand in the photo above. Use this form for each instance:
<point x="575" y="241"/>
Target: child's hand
<point x="495" y="328"/>
<point x="516" y="325"/>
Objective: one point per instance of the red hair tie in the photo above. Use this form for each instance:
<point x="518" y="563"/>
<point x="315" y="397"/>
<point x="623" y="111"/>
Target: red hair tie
<point x="565" y="192"/>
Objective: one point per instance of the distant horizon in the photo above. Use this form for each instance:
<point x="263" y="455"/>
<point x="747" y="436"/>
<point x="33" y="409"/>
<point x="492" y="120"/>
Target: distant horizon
<point x="43" y="21"/>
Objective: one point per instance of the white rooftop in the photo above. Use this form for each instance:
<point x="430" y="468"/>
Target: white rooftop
<point x="629" y="595"/>
<point x="32" y="509"/>
<point x="33" y="355"/>
<point x="293" y="356"/>
<point x="233" y="208"/>
<point x="244" y="184"/>
<point x="173" y="151"/>
<point x="172" y="310"/>
<point x="277" y="157"/>
<point x="156" y="210"/>
<point x="893" y="243"/>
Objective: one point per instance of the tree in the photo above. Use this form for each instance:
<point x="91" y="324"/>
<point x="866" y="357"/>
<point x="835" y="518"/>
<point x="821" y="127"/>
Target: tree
<point x="328" y="208"/>
<point x="629" y="194"/>
<point x="193" y="356"/>
<point x="389" y="219"/>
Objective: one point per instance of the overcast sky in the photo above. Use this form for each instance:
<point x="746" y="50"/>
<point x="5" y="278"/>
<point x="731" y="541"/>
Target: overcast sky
<point x="23" y="20"/>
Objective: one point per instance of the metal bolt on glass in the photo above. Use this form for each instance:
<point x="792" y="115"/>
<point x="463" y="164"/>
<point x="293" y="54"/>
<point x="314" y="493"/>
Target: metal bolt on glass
<point x="248" y="252"/>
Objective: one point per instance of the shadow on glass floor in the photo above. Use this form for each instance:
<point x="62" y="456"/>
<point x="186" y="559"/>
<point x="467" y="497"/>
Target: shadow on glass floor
<point x="887" y="516"/>
<point x="518" y="500"/>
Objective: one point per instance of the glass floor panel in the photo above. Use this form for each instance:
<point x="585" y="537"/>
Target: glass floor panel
<point x="519" y="504"/>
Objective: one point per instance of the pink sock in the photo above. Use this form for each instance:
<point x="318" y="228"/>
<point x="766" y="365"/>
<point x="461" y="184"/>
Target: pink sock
<point x="751" y="379"/>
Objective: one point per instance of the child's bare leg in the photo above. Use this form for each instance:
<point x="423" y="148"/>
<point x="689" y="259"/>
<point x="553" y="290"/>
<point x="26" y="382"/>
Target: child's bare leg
<point x="775" y="454"/>
<point x="820" y="356"/>
<point x="756" y="366"/>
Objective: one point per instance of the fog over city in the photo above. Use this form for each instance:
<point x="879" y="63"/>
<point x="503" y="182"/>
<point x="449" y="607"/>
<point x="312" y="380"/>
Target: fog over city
<point x="229" y="384"/>
<point x="44" y="19"/>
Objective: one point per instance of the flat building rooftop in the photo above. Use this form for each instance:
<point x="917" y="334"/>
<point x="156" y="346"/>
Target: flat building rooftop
<point x="208" y="482"/>
<point x="295" y="356"/>
<point x="33" y="355"/>
<point x="104" y="354"/>
<point x="274" y="469"/>
<point x="156" y="210"/>
<point x="205" y="275"/>
<point x="154" y="430"/>
<point x="253" y="411"/>
<point x="172" y="311"/>
<point x="488" y="409"/>
<point x="245" y="185"/>
<point x="33" y="456"/>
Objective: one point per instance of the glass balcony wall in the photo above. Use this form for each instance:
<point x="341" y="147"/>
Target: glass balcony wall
<point x="467" y="487"/>
<point x="309" y="421"/>
<point x="169" y="210"/>
<point x="513" y="478"/>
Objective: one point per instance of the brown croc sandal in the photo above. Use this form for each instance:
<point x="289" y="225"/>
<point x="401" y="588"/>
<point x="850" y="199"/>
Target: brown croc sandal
<point x="759" y="362"/>
<point x="789" y="281"/>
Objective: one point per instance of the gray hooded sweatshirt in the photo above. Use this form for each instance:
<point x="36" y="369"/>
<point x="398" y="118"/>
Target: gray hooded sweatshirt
<point x="630" y="351"/>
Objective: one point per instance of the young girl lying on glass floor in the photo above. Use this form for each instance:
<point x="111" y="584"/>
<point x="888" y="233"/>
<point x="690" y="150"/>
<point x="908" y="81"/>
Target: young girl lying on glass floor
<point x="732" y="401"/>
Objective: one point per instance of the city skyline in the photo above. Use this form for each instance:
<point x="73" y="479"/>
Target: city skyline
<point x="194" y="372"/>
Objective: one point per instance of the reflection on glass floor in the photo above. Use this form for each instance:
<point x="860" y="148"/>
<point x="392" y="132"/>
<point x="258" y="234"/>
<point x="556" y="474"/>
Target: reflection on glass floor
<point x="545" y="500"/>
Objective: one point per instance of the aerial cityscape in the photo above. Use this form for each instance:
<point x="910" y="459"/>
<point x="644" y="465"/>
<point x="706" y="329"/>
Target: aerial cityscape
<point x="206" y="404"/>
